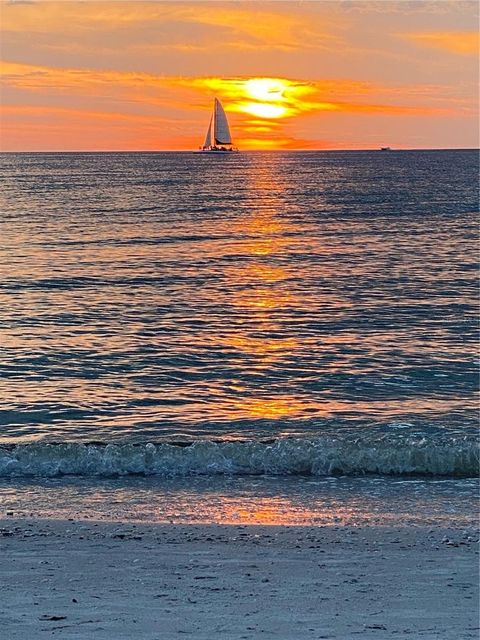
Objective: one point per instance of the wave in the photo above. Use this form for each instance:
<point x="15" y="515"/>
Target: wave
<point x="321" y="456"/>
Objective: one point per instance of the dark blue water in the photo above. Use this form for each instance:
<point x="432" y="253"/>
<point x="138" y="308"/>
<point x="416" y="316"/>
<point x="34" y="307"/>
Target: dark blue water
<point x="330" y="297"/>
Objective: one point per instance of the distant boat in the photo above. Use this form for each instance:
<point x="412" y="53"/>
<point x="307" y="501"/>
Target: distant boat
<point x="385" y="148"/>
<point x="218" y="138"/>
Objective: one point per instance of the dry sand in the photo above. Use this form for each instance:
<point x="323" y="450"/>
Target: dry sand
<point x="119" y="581"/>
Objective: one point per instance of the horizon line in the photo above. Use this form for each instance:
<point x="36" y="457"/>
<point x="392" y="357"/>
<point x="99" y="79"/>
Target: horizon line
<point x="391" y="149"/>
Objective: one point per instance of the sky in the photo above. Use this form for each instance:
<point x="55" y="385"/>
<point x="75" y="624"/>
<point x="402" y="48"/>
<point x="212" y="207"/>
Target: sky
<point x="333" y="74"/>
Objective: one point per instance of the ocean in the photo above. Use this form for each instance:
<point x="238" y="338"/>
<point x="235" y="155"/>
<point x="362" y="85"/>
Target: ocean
<point x="275" y="328"/>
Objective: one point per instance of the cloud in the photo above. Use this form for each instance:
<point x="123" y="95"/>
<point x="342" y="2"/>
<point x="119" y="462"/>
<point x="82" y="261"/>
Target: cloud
<point x="39" y="113"/>
<point x="203" y="25"/>
<point x="408" y="7"/>
<point x="457" y="42"/>
<point x="287" y="98"/>
<point x="263" y="98"/>
<point x="106" y="109"/>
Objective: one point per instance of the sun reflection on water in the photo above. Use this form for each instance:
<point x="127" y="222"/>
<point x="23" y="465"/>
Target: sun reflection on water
<point x="261" y="294"/>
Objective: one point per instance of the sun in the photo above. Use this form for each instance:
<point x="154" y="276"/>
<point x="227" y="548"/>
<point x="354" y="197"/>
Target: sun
<point x="265" y="98"/>
<point x="265" y="89"/>
<point x="263" y="110"/>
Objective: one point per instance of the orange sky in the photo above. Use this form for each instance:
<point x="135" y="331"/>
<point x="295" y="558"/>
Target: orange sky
<point x="341" y="74"/>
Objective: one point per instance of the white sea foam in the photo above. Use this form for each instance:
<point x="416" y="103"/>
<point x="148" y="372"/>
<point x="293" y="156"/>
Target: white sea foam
<point x="289" y="456"/>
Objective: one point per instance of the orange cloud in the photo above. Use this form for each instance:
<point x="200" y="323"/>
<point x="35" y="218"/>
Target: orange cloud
<point x="458" y="42"/>
<point x="263" y="98"/>
<point x="277" y="98"/>
<point x="82" y="106"/>
<point x="252" y="27"/>
<point x="60" y="128"/>
<point x="40" y="112"/>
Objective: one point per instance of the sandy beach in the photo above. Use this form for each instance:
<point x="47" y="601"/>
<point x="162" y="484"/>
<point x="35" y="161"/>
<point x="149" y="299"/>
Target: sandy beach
<point x="82" y="579"/>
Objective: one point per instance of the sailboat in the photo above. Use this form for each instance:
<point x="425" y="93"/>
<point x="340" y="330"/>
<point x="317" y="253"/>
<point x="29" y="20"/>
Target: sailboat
<point x="218" y="138"/>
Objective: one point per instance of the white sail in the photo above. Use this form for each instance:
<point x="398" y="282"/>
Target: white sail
<point x="208" y="137"/>
<point x="221" y="131"/>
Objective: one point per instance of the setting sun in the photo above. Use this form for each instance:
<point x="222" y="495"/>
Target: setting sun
<point x="265" y="89"/>
<point x="263" y="110"/>
<point x="270" y="96"/>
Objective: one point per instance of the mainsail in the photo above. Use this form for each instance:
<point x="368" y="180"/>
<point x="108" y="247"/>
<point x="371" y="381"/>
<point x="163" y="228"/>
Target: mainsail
<point x="221" y="130"/>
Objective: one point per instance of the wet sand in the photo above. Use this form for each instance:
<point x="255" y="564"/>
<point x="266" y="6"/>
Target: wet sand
<point x="81" y="579"/>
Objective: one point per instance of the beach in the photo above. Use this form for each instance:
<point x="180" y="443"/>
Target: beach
<point x="113" y="580"/>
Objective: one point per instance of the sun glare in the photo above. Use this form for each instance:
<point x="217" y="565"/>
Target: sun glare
<point x="265" y="89"/>
<point x="263" y="110"/>
<point x="269" y="99"/>
<point x="265" y="98"/>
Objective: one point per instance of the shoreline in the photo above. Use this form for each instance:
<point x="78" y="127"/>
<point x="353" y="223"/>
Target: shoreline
<point x="113" y="580"/>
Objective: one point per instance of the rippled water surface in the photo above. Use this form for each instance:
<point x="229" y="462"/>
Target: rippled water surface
<point x="177" y="296"/>
<point x="232" y="500"/>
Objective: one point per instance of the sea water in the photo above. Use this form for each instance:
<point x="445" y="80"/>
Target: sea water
<point x="274" y="316"/>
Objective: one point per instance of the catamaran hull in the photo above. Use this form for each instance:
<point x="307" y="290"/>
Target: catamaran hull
<point x="218" y="153"/>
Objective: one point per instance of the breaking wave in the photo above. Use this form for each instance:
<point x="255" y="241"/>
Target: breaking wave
<point x="320" y="456"/>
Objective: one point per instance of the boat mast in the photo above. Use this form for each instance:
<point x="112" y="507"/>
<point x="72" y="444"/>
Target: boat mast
<point x="215" y="122"/>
